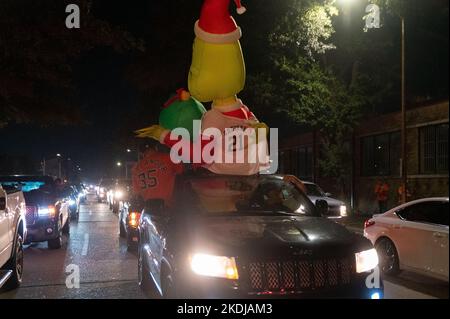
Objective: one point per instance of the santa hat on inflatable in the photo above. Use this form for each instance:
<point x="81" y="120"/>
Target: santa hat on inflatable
<point x="216" y="25"/>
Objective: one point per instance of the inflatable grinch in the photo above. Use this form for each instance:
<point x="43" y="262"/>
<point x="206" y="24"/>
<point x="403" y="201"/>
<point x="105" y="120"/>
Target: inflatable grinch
<point x="217" y="75"/>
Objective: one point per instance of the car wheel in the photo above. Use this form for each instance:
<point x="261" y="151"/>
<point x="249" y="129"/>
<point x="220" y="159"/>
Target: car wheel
<point x="168" y="286"/>
<point x="16" y="265"/>
<point x="143" y="275"/>
<point x="122" y="232"/>
<point x="66" y="228"/>
<point x="56" y="243"/>
<point x="131" y="245"/>
<point x="74" y="216"/>
<point x="387" y="253"/>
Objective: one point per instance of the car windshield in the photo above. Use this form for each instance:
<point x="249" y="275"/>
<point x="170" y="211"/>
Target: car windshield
<point x="314" y="190"/>
<point x="248" y="196"/>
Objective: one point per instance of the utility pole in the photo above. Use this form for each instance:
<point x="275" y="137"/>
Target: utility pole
<point x="404" y="161"/>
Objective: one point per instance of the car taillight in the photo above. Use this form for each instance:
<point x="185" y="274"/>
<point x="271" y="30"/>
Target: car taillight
<point x="134" y="219"/>
<point x="369" y="223"/>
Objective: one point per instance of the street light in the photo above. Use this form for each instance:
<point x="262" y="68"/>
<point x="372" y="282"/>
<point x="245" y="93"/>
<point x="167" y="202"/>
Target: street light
<point x="119" y="164"/>
<point x="404" y="151"/>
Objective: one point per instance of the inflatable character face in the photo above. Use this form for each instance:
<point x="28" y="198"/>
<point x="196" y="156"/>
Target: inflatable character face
<point x="217" y="70"/>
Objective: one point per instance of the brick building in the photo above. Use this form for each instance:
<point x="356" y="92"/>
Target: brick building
<point x="376" y="152"/>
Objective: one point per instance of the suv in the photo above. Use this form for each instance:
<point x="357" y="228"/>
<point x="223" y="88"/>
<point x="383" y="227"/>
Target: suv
<point x="47" y="211"/>
<point x="249" y="237"/>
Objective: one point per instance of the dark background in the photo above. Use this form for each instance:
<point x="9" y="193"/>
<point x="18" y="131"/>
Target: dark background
<point x="116" y="91"/>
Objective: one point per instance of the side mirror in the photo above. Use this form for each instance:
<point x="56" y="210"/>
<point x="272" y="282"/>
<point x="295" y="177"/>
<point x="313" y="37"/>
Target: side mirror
<point x="2" y="203"/>
<point x="322" y="207"/>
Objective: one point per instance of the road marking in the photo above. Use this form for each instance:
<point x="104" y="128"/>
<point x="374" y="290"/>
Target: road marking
<point x="85" y="245"/>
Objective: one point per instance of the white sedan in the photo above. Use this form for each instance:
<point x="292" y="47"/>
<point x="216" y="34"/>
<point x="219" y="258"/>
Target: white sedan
<point x="413" y="237"/>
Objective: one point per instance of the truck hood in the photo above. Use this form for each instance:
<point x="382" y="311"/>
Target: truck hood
<point x="274" y="233"/>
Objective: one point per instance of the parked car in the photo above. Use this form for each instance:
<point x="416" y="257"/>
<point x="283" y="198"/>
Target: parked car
<point x="129" y="216"/>
<point x="12" y="234"/>
<point x="47" y="208"/>
<point x="74" y="202"/>
<point x="336" y="208"/>
<point x="249" y="237"/>
<point x="413" y="236"/>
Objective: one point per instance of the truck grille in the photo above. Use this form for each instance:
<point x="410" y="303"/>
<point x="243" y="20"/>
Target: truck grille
<point x="31" y="215"/>
<point x="300" y="275"/>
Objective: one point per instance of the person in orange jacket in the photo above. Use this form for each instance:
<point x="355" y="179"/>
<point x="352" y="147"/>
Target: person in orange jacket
<point x="382" y="195"/>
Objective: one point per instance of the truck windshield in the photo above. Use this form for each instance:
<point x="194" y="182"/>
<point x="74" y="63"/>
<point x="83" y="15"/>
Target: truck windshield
<point x="25" y="184"/>
<point x="248" y="195"/>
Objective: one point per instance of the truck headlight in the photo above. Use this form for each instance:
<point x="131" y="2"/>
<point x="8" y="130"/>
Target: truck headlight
<point x="343" y="211"/>
<point x="48" y="212"/>
<point x="366" y="260"/>
<point x="214" y="266"/>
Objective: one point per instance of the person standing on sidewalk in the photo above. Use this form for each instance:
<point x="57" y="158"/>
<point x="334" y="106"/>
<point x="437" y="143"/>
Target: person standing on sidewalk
<point x="382" y="195"/>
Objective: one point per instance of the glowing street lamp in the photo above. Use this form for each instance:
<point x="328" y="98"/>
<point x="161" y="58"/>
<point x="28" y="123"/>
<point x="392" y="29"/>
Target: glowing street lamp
<point x="373" y="22"/>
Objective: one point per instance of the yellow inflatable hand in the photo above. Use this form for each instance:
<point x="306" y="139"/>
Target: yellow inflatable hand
<point x="155" y="132"/>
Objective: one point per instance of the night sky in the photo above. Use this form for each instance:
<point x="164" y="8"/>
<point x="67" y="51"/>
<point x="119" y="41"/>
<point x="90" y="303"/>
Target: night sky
<point x="112" y="105"/>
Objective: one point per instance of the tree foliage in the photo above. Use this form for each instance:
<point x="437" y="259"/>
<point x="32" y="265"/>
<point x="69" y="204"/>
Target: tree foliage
<point x="303" y="88"/>
<point x="37" y="53"/>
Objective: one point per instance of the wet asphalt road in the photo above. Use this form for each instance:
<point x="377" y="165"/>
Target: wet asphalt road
<point x="108" y="271"/>
<point x="106" y="268"/>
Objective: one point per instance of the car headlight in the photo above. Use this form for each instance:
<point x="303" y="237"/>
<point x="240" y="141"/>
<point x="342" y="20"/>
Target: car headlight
<point x="48" y="212"/>
<point x="343" y="211"/>
<point x="72" y="202"/>
<point x="118" y="195"/>
<point x="366" y="260"/>
<point x="214" y="266"/>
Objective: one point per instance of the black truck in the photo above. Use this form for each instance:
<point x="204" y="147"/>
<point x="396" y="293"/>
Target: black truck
<point x="250" y="237"/>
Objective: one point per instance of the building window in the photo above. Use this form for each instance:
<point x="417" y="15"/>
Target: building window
<point x="434" y="149"/>
<point x="381" y="155"/>
<point x="298" y="162"/>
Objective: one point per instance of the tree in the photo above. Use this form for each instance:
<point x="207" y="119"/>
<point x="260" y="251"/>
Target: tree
<point x="301" y="85"/>
<point x="37" y="53"/>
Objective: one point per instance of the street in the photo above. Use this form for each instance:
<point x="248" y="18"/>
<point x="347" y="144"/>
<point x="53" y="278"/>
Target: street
<point x="108" y="270"/>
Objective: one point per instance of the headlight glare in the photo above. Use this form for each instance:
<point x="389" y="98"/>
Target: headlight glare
<point x="343" y="211"/>
<point x="366" y="260"/>
<point x="118" y="194"/>
<point x="49" y="211"/>
<point x="214" y="266"/>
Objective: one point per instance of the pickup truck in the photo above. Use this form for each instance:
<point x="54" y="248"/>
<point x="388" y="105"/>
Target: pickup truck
<point x="12" y="236"/>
